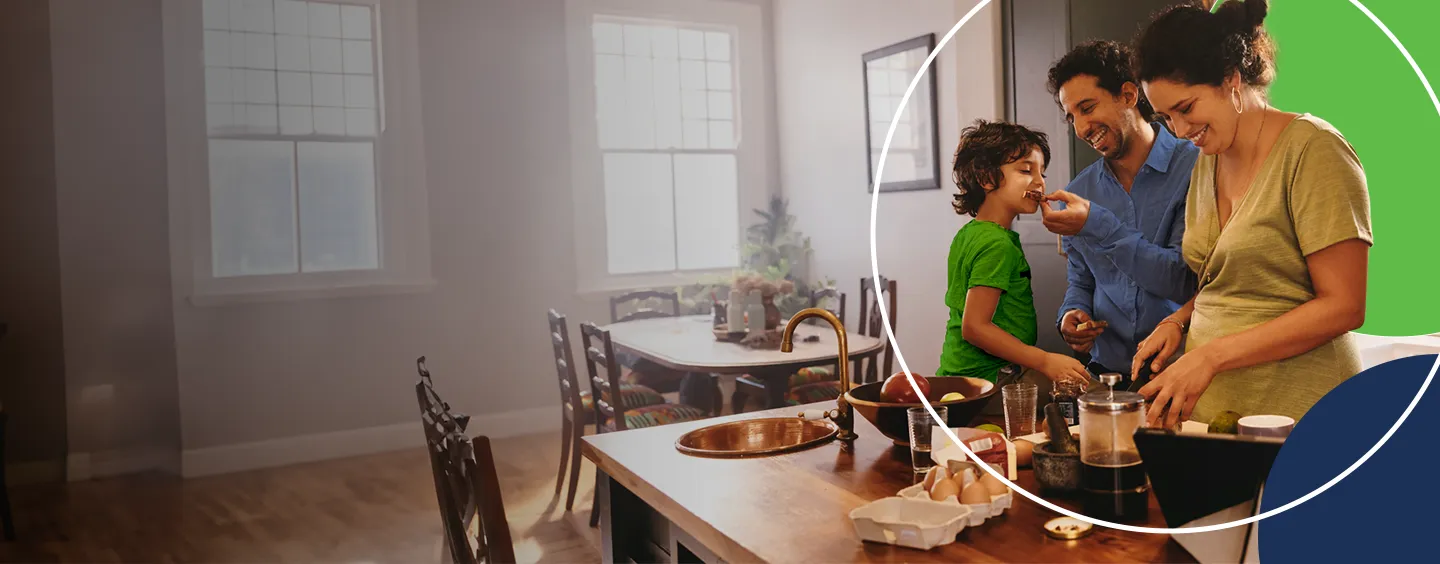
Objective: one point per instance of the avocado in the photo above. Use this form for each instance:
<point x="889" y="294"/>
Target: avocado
<point x="1226" y="422"/>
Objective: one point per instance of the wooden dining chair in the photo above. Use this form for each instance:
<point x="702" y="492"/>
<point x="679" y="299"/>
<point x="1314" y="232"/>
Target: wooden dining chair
<point x="576" y="405"/>
<point x="604" y="375"/>
<point x="872" y="324"/>
<point x="472" y="510"/>
<point x="748" y="387"/>
<point x="701" y="390"/>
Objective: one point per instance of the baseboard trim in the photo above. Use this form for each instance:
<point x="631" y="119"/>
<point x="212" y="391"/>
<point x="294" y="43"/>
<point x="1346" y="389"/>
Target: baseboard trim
<point x="81" y="466"/>
<point x="285" y="451"/>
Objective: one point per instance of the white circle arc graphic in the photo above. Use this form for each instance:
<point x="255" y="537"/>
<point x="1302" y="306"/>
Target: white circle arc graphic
<point x="890" y="334"/>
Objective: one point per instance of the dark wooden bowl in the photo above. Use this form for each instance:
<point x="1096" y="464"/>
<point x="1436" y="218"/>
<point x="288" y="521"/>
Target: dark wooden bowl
<point x="892" y="420"/>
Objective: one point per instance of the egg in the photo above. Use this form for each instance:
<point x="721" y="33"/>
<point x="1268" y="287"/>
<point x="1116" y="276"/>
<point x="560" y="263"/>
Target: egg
<point x="944" y="488"/>
<point x="975" y="494"/>
<point x="1024" y="452"/>
<point x="936" y="473"/>
<point x="993" y="485"/>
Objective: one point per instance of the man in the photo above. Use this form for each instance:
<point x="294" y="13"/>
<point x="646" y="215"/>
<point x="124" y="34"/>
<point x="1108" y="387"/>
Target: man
<point x="1123" y="216"/>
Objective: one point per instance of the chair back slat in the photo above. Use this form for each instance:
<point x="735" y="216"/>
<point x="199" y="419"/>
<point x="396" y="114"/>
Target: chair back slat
<point x="819" y="296"/>
<point x="604" y="373"/>
<point x="670" y="305"/>
<point x="467" y="487"/>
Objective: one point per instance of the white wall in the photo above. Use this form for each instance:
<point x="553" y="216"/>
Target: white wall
<point x="822" y="148"/>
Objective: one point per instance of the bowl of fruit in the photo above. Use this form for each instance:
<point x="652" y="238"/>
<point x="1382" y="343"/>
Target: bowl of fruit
<point x="884" y="404"/>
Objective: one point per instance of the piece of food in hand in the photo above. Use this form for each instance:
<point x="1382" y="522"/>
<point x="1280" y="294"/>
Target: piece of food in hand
<point x="1226" y="422"/>
<point x="944" y="488"/>
<point x="1088" y="325"/>
<point x="897" y="388"/>
<point x="976" y="493"/>
<point x="935" y="474"/>
<point x="1037" y="195"/>
<point x="1024" y="452"/>
<point x="952" y="396"/>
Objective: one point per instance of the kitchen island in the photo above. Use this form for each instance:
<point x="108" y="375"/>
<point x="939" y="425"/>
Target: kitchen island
<point x="659" y="505"/>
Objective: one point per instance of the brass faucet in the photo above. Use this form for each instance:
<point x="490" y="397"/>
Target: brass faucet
<point x="844" y="414"/>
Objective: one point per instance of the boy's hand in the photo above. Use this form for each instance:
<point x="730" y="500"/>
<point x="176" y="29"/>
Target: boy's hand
<point x="1081" y="340"/>
<point x="1059" y="368"/>
<point x="1068" y="221"/>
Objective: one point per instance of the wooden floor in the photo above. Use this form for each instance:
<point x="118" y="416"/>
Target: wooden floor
<point x="378" y="508"/>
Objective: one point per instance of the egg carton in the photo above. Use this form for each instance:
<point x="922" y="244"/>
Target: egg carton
<point x="910" y="522"/>
<point x="979" y="512"/>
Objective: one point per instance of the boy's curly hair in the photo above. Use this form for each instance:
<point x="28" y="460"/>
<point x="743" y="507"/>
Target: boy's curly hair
<point x="984" y="148"/>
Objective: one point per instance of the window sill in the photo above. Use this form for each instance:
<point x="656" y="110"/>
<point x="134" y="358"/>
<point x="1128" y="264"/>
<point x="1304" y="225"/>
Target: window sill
<point x="241" y="297"/>
<point x="664" y="281"/>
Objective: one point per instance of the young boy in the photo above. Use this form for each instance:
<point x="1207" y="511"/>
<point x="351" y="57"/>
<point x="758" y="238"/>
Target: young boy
<point x="999" y="169"/>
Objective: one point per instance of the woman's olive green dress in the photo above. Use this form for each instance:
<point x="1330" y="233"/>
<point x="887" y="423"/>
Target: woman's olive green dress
<point x="1309" y="194"/>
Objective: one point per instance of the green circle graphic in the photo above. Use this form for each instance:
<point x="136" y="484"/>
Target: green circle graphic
<point x="1333" y="62"/>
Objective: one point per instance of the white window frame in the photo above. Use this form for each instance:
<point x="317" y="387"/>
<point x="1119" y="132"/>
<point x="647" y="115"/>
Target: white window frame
<point x="401" y="195"/>
<point x="746" y="22"/>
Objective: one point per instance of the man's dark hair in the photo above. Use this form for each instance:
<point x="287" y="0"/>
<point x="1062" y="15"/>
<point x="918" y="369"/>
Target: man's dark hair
<point x="1189" y="44"/>
<point x="984" y="148"/>
<point x="1108" y="61"/>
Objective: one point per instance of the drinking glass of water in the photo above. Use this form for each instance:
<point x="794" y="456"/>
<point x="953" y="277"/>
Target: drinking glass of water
<point x="1020" y="410"/>
<point x="921" y="425"/>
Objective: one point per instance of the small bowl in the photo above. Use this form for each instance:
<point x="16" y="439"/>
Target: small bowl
<point x="1055" y="472"/>
<point x="891" y="418"/>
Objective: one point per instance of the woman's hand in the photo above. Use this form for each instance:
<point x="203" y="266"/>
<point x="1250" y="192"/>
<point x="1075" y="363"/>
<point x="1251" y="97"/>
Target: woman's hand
<point x="1161" y="344"/>
<point x="1172" y="394"/>
<point x="1059" y="368"/>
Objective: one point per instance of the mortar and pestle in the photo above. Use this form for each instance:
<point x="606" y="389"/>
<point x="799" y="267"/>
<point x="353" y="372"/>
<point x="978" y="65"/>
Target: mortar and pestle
<point x="1056" y="462"/>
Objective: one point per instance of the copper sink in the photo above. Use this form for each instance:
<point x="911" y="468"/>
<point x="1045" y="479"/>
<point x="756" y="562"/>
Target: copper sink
<point x="756" y="437"/>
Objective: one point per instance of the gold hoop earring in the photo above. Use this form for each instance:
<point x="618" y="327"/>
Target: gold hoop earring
<point x="1235" y="100"/>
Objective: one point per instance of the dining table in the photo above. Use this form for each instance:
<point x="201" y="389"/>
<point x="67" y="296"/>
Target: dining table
<point x="689" y="344"/>
<point x="659" y="504"/>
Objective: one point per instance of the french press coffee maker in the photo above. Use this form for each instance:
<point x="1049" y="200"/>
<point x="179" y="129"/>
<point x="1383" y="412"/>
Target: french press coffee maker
<point x="1112" y="476"/>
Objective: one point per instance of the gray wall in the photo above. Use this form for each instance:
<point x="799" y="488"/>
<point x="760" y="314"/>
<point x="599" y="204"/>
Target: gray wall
<point x="113" y="237"/>
<point x="32" y="356"/>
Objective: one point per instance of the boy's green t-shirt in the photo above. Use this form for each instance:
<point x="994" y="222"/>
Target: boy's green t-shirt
<point x="985" y="254"/>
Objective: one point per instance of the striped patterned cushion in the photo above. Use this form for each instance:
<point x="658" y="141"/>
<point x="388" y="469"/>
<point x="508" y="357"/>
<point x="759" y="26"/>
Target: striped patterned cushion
<point x="811" y="393"/>
<point x="632" y="396"/>
<point x="801" y="377"/>
<point x="656" y="415"/>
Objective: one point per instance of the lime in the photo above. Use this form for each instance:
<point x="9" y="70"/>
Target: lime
<point x="952" y="396"/>
<point x="992" y="428"/>
<point x="1226" y="422"/>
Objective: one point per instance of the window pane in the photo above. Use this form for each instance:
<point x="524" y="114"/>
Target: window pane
<point x="696" y="134"/>
<point x="326" y="55"/>
<point x="665" y="44"/>
<point x="259" y="51"/>
<point x="295" y="88"/>
<point x="217" y="49"/>
<point x="261" y="119"/>
<point x="639" y="213"/>
<point x="692" y="44"/>
<point x="718" y="76"/>
<point x="637" y="40"/>
<point x="217" y="86"/>
<point x="695" y="105"/>
<point x="722" y="135"/>
<point x="329" y="90"/>
<point x="292" y="17"/>
<point x="325" y="20"/>
<point x="692" y="75"/>
<point x="722" y="105"/>
<point x="717" y="46"/>
<point x="355" y="22"/>
<point x="707" y="206"/>
<point x="252" y="15"/>
<point x="217" y="14"/>
<point x="220" y="117"/>
<point x="252" y="213"/>
<point x="359" y="91"/>
<point x="330" y="121"/>
<point x="337" y="207"/>
<point x="359" y="59"/>
<point x="292" y="53"/>
<point x="259" y="87"/>
<point x="667" y="105"/>
<point x="296" y="120"/>
<point x="360" y="123"/>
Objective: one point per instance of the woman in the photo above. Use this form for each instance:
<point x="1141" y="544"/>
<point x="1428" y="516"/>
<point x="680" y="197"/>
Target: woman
<point x="1277" y="228"/>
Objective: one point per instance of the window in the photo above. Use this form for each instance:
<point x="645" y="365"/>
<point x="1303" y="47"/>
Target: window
<point x="666" y="144"/>
<point x="292" y="115"/>
<point x="288" y="183"/>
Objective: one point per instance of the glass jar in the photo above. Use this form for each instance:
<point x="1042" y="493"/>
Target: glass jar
<point x="1067" y="395"/>
<point x="1116" y="487"/>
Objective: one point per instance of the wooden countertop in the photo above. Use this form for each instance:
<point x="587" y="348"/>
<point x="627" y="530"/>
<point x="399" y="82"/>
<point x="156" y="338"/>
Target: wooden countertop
<point x="795" y="507"/>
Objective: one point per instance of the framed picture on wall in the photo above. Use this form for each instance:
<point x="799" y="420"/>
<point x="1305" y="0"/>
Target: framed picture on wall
<point x="913" y="162"/>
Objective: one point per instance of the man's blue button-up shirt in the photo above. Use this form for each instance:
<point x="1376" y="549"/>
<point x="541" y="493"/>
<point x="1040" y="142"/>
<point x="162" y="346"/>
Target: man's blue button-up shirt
<point x="1125" y="264"/>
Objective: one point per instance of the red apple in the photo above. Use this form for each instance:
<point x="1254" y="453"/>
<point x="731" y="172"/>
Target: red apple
<point x="897" y="388"/>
